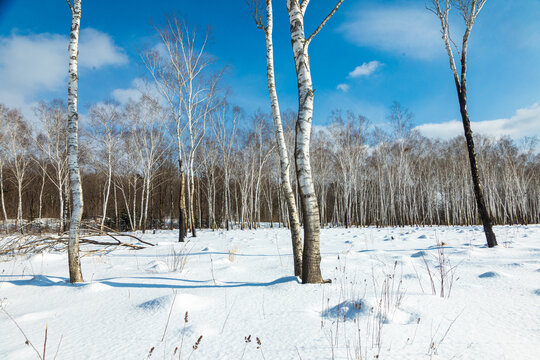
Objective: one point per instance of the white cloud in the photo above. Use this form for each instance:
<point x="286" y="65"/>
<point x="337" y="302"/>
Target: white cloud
<point x="412" y="31"/>
<point x="365" y="69"/>
<point x="525" y="122"/>
<point x="37" y="63"/>
<point x="139" y="86"/>
<point x="124" y="95"/>
<point x="97" y="49"/>
<point x="343" y="87"/>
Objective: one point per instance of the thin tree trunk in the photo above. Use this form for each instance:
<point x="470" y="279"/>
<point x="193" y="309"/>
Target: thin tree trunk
<point x="117" y="223"/>
<point x="281" y="145"/>
<point x="75" y="274"/>
<point x="182" y="225"/>
<point x="461" y="88"/>
<point x="311" y="271"/>
<point x="107" y="192"/>
<point x="61" y="207"/>
<point x="19" y="206"/>
<point x="41" y="195"/>
<point x="482" y="209"/>
<point x="4" y="213"/>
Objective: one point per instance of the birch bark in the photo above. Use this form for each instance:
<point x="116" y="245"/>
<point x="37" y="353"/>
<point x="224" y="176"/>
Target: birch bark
<point x="75" y="274"/>
<point x="280" y="141"/>
<point x="311" y="259"/>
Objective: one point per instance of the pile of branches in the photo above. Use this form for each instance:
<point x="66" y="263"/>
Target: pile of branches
<point x="36" y="244"/>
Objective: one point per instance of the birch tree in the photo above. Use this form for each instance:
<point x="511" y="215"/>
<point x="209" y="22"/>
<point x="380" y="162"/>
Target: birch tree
<point x="144" y="122"/>
<point x="75" y="273"/>
<point x="3" y="156"/>
<point x="469" y="10"/>
<point x="311" y="258"/>
<point x="181" y="76"/>
<point x="267" y="27"/>
<point x="105" y="130"/>
<point x="53" y="143"/>
<point x="225" y="126"/>
<point x="19" y="154"/>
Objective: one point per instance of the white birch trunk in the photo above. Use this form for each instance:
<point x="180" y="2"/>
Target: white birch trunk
<point x="311" y="271"/>
<point x="75" y="274"/>
<point x="41" y="194"/>
<point x="61" y="209"/>
<point x="107" y="190"/>
<point x="4" y="213"/>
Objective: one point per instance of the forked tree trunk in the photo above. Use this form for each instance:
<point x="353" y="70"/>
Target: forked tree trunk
<point x="281" y="145"/>
<point x="75" y="274"/>
<point x="469" y="13"/>
<point x="311" y="259"/>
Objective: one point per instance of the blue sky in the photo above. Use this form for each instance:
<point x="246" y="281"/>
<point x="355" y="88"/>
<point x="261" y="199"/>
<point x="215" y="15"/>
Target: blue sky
<point x="370" y="54"/>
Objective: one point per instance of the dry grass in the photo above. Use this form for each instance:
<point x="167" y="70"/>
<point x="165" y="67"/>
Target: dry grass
<point x="232" y="253"/>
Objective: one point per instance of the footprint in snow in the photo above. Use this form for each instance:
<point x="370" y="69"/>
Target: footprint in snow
<point x="156" y="267"/>
<point x="489" y="274"/>
<point x="418" y="254"/>
<point x="537" y="292"/>
<point x="345" y="310"/>
<point x="155" y="304"/>
<point x="422" y="237"/>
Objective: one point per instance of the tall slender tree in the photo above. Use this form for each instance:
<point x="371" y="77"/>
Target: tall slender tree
<point x="53" y="143"/>
<point x="3" y="126"/>
<point x="284" y="168"/>
<point x="19" y="152"/>
<point x="311" y="258"/>
<point x="469" y="10"/>
<point x="74" y="261"/>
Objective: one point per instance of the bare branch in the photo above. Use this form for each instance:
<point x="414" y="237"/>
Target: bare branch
<point x="323" y="23"/>
<point x="303" y="6"/>
<point x="255" y="9"/>
<point x="70" y="6"/>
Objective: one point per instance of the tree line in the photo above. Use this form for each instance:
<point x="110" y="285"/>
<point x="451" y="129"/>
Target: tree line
<point x="363" y="175"/>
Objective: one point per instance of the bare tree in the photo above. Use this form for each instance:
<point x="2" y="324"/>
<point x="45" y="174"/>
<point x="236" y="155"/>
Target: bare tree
<point x="105" y="121"/>
<point x="75" y="273"/>
<point x="53" y="143"/>
<point x="19" y="154"/>
<point x="469" y="10"/>
<point x="3" y="156"/>
<point x="225" y="126"/>
<point x="278" y="128"/>
<point x="311" y="259"/>
<point x="181" y="76"/>
<point x="144" y="126"/>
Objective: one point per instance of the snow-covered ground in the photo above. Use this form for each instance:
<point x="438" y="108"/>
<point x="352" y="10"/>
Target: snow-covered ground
<point x="237" y="287"/>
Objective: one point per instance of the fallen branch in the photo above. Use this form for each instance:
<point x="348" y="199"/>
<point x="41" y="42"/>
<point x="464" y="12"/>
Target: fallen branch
<point x="32" y="244"/>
